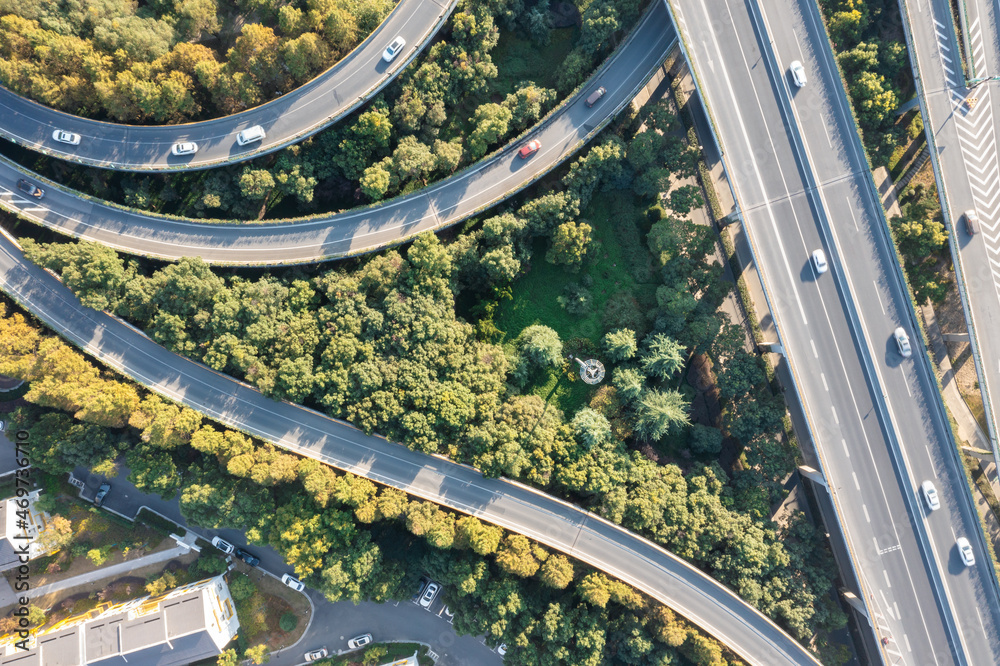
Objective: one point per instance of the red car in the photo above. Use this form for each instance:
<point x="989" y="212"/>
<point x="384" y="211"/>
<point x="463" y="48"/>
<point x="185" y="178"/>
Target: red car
<point x="529" y="148"/>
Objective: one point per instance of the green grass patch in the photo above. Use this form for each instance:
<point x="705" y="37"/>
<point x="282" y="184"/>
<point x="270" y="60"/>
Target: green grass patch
<point x="159" y="523"/>
<point x="520" y="59"/>
<point x="617" y="262"/>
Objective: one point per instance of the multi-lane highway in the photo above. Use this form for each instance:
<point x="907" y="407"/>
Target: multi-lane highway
<point x="552" y="522"/>
<point x="287" y="119"/>
<point x="434" y="207"/>
<point x="802" y="183"/>
<point x="964" y="145"/>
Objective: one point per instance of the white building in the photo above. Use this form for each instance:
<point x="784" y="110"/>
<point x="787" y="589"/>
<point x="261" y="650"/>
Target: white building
<point x="15" y="536"/>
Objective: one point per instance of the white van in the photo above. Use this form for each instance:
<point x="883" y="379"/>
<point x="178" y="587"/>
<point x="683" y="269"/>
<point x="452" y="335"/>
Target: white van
<point x="250" y="135"/>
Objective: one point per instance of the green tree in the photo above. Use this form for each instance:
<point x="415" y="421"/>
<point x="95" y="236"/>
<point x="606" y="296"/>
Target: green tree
<point x="258" y="654"/>
<point x="663" y="356"/>
<point x="541" y="346"/>
<point x="490" y="123"/>
<point x="704" y="440"/>
<point x="557" y="572"/>
<point x="376" y="180"/>
<point x="591" y="427"/>
<point x="629" y="383"/>
<point x="620" y="344"/>
<point x="569" y="245"/>
<point x="658" y="412"/>
<point x="684" y="198"/>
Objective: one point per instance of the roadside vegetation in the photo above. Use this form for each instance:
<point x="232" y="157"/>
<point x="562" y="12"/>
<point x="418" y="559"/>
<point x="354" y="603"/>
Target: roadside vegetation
<point x="172" y="61"/>
<point x="497" y="68"/>
<point x="868" y="39"/>
<point x="459" y="348"/>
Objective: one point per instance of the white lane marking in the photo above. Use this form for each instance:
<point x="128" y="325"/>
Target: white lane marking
<point x="835" y="417"/>
<point x="906" y="639"/>
<point x="906" y="383"/>
<point x="858" y="486"/>
<point x="847" y="451"/>
<point x="931" y="458"/>
<point x="825" y="385"/>
<point x="867" y="517"/>
<point x="850" y="209"/>
<point x="886" y="574"/>
<point x="888" y="609"/>
<point x="813" y="345"/>
<point x="875" y="284"/>
<point x="980" y="615"/>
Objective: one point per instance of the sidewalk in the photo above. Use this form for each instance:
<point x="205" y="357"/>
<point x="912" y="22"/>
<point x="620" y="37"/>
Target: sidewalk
<point x="108" y="572"/>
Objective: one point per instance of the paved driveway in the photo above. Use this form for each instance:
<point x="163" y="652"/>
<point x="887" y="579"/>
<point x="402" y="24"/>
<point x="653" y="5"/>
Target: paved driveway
<point x="333" y="623"/>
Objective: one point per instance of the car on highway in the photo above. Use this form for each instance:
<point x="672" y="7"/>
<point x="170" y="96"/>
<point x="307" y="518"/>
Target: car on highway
<point x="903" y="342"/>
<point x="359" y="641"/>
<point x="250" y="135"/>
<point x="293" y="582"/>
<point x="184" y="148"/>
<point x="965" y="550"/>
<point x="393" y="49"/>
<point x="247" y="558"/>
<point x="529" y="148"/>
<point x="971" y="222"/>
<point x="930" y="495"/>
<point x="223" y="545"/>
<point x="30" y="189"/>
<point x="62" y="136"/>
<point x="819" y="262"/>
<point x="798" y="73"/>
<point x="429" y="594"/>
<point x="316" y="654"/>
<point x="102" y="493"/>
<point x="595" y="96"/>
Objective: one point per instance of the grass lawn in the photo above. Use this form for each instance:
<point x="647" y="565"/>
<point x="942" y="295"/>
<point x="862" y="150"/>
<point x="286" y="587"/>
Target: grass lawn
<point x="520" y="59"/>
<point x="618" y="262"/>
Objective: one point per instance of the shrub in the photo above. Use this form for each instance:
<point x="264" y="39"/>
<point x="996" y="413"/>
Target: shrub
<point x="288" y="622"/>
<point x="576" y="300"/>
<point x="241" y="587"/>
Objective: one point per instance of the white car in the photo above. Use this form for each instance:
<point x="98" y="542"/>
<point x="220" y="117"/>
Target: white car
<point x="502" y="649"/>
<point x="903" y="342"/>
<point x="819" y="262"/>
<point x="429" y="594"/>
<point x="359" y="641"/>
<point x="223" y="545"/>
<point x="965" y="550"/>
<point x="62" y="136"/>
<point x="316" y="654"/>
<point x="931" y="495"/>
<point x="293" y="582"/>
<point x="393" y="49"/>
<point x="185" y="148"/>
<point x="798" y="73"/>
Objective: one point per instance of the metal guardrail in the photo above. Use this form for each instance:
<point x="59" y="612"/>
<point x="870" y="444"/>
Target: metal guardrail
<point x="754" y="252"/>
<point x="549" y="118"/>
<point x="446" y="11"/>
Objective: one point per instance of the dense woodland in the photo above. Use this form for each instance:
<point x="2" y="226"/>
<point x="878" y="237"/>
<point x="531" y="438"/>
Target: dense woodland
<point x="449" y="109"/>
<point x="345" y="536"/>
<point x="405" y="344"/>
<point x="173" y="60"/>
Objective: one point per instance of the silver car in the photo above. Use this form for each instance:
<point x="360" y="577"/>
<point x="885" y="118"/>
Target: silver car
<point x="393" y="49"/>
<point x="798" y="73"/>
<point x="903" y="342"/>
<point x="965" y="550"/>
<point x="819" y="262"/>
<point x="184" y="148"/>
<point x="930" y="495"/>
<point x="429" y="594"/>
<point x="62" y="136"/>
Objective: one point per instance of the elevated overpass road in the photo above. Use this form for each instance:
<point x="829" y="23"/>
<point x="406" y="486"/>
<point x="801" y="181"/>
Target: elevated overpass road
<point x="513" y="506"/>
<point x="287" y="119"/>
<point x="434" y="207"/>
<point x="914" y="408"/>
<point x="874" y="498"/>
<point x="967" y="168"/>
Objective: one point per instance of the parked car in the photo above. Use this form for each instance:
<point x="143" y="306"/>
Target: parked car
<point x="593" y="98"/>
<point x="965" y="550"/>
<point x="429" y="594"/>
<point x="184" y="148"/>
<point x="798" y="73"/>
<point x="293" y="582"/>
<point x="420" y="590"/>
<point x="223" y="545"/>
<point x="819" y="262"/>
<point x="971" y="222"/>
<point x="102" y="492"/>
<point x="393" y="49"/>
<point x="930" y="495"/>
<point x="250" y="135"/>
<point x="359" y="641"/>
<point x="903" y="342"/>
<point x="502" y="649"/>
<point x="529" y="148"/>
<point x="30" y="189"/>
<point x="62" y="136"/>
<point x="316" y="654"/>
<point x="249" y="559"/>
<point x="2" y="426"/>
